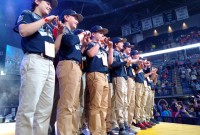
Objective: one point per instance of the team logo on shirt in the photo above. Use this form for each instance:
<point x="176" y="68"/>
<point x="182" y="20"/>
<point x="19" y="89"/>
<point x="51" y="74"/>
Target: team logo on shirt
<point x="21" y="17"/>
<point x="78" y="47"/>
<point x="99" y="54"/>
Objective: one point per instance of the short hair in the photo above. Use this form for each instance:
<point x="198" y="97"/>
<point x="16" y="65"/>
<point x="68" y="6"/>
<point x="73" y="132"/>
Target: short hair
<point x="33" y="6"/>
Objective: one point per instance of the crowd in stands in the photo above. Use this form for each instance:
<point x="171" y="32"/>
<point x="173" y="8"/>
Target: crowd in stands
<point x="188" y="36"/>
<point x="186" y="111"/>
<point x="164" y="84"/>
<point x="190" y="74"/>
<point x="180" y="38"/>
<point x="9" y="92"/>
<point x="153" y="43"/>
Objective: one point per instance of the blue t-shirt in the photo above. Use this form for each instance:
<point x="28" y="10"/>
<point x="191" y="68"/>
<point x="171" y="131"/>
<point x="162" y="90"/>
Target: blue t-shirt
<point x="70" y="48"/>
<point x="139" y="78"/>
<point x="118" y="65"/>
<point x="129" y="69"/>
<point x="95" y="64"/>
<point x="36" y="41"/>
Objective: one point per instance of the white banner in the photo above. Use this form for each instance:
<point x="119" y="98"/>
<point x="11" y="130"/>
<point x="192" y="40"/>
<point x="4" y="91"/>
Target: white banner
<point x="182" y="13"/>
<point x="157" y="20"/>
<point x="146" y="23"/>
<point x="135" y="27"/>
<point x="126" y="29"/>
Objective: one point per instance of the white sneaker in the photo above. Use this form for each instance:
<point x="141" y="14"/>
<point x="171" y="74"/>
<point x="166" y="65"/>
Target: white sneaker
<point x="85" y="131"/>
<point x="134" y="128"/>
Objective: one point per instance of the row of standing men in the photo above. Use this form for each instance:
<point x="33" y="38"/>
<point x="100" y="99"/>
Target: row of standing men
<point x="132" y="101"/>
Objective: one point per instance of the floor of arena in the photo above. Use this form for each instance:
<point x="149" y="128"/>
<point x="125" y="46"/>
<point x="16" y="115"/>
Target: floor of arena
<point x="160" y="129"/>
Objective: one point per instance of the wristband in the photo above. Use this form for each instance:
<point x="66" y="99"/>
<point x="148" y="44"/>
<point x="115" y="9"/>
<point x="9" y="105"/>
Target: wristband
<point x="46" y="20"/>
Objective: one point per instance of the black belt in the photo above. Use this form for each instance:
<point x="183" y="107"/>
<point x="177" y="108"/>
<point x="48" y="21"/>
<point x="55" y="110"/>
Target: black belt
<point x="41" y="54"/>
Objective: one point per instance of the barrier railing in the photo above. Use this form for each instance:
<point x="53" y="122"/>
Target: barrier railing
<point x="182" y="120"/>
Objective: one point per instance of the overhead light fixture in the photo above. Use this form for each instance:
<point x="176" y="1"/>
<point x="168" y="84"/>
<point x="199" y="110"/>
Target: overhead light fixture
<point x="155" y="32"/>
<point x="184" y="26"/>
<point x="170" y="29"/>
<point x="171" y="50"/>
<point x="2" y="72"/>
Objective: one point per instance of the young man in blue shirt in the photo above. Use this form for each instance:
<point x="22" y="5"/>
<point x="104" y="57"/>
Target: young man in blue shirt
<point x="131" y="84"/>
<point x="98" y="60"/>
<point x="119" y="80"/>
<point x="69" y="72"/>
<point x="141" y="93"/>
<point x="37" y="70"/>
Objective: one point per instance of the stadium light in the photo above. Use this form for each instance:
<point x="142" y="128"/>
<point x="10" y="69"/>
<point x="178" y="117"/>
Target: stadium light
<point x="2" y="72"/>
<point x="170" y="50"/>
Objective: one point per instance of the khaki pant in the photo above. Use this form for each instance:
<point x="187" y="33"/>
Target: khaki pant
<point x="141" y="99"/>
<point x="120" y="102"/>
<point x="85" y="100"/>
<point x="54" y="109"/>
<point x="36" y="95"/>
<point x="109" y="110"/>
<point x="131" y="100"/>
<point x="144" y="104"/>
<point x="148" y="104"/>
<point x="69" y="76"/>
<point x="98" y="89"/>
<point x="151" y="104"/>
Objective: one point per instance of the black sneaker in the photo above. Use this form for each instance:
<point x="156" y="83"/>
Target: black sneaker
<point x="154" y="121"/>
<point x="130" y="131"/>
<point x="151" y="123"/>
<point x="122" y="131"/>
<point x="114" y="131"/>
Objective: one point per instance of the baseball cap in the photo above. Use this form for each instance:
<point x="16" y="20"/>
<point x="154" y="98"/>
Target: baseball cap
<point x="54" y="3"/>
<point x="78" y="31"/>
<point x="97" y="28"/>
<point x="71" y="13"/>
<point x="134" y="52"/>
<point x="118" y="39"/>
<point x="127" y="44"/>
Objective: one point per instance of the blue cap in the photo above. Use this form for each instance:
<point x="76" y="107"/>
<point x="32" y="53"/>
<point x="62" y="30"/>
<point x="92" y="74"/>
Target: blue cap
<point x="118" y="39"/>
<point x="71" y="13"/>
<point x="134" y="52"/>
<point x="78" y="31"/>
<point x="97" y="28"/>
<point x="127" y="44"/>
<point x="54" y="3"/>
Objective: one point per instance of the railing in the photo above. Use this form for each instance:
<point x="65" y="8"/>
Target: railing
<point x="182" y="120"/>
<point x="7" y="112"/>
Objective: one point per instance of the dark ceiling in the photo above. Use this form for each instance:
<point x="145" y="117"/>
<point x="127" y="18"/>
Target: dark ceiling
<point x="114" y="13"/>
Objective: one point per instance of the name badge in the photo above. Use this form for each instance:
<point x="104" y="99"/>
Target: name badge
<point x="149" y="87"/>
<point x="133" y="71"/>
<point x="148" y="79"/>
<point x="145" y="83"/>
<point x="49" y="49"/>
<point x="104" y="59"/>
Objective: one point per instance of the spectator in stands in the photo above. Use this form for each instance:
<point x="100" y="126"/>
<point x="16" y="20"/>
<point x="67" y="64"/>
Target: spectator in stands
<point x="191" y="111"/>
<point x="183" y="112"/>
<point x="165" y="111"/>
<point x="174" y="107"/>
<point x="161" y="102"/>
<point x="193" y="77"/>
<point x="197" y="106"/>
<point x="174" y="87"/>
<point x="156" y="113"/>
